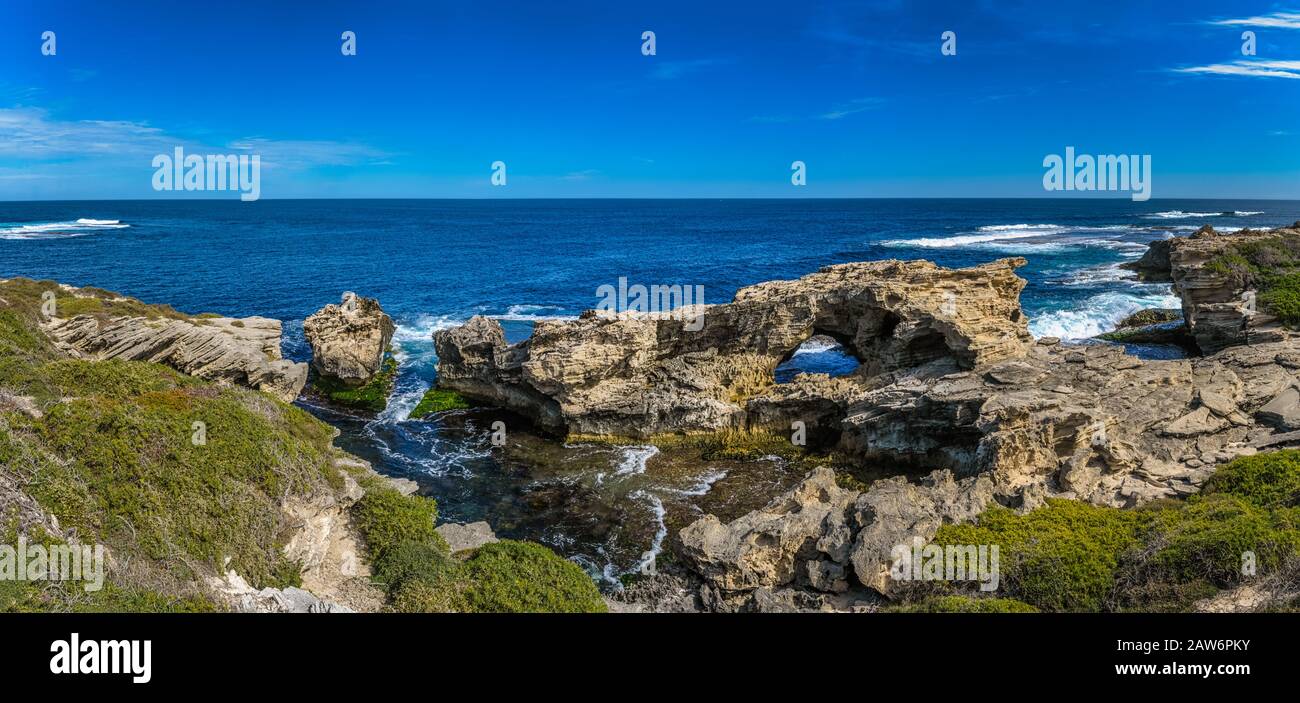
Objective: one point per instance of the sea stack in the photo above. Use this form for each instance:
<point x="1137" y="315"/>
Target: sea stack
<point x="349" y="340"/>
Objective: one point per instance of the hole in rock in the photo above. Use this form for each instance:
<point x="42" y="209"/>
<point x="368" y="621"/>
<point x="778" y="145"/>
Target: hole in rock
<point x="819" y="354"/>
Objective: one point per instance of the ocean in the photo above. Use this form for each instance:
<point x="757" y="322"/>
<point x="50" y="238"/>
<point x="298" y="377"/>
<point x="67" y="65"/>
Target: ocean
<point x="434" y="263"/>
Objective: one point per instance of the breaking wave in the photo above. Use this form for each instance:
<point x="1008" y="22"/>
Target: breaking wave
<point x="1097" y="314"/>
<point x="59" y="230"/>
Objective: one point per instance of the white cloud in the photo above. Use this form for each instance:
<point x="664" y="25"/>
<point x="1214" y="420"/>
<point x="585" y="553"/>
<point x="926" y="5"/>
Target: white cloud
<point x="32" y="134"/>
<point x="1254" y="69"/>
<point x="1282" y="20"/>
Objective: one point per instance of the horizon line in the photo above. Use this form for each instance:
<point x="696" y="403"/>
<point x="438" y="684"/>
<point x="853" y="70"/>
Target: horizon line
<point x="649" y="198"/>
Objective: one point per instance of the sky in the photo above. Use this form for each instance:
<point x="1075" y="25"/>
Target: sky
<point x="733" y="95"/>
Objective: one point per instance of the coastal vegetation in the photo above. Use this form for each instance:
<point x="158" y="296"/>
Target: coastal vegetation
<point x="1269" y="266"/>
<point x="436" y="400"/>
<point x="1074" y="556"/>
<point x="371" y="396"/>
<point x="182" y="480"/>
<point x="416" y="567"/>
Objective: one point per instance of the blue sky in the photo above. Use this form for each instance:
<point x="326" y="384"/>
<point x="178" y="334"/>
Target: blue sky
<point x="561" y="93"/>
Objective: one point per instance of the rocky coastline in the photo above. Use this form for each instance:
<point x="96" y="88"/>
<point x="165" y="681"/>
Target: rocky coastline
<point x="951" y="390"/>
<point x="168" y="439"/>
<point x="977" y="425"/>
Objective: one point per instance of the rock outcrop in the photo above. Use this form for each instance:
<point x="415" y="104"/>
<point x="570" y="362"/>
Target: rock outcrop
<point x="242" y="351"/>
<point x="637" y="375"/>
<point x="462" y="536"/>
<point x="1219" y="308"/>
<point x="349" y="339"/>
<point x="802" y="537"/>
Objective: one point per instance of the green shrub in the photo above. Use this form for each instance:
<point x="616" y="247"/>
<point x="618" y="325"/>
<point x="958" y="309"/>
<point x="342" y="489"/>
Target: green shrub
<point x="964" y="604"/>
<point x="388" y="519"/>
<point x="428" y="561"/>
<point x="1281" y="297"/>
<point x="1270" y="480"/>
<point x="521" y="577"/>
<point x="1207" y="538"/>
<point x="425" y="597"/>
<point x="1061" y="557"/>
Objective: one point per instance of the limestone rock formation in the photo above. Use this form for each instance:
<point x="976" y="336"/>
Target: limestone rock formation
<point x="637" y="375"/>
<point x="1219" y="310"/>
<point x="956" y="395"/>
<point x="800" y="537"/>
<point x="243" y="351"/>
<point x="462" y="536"/>
<point x="348" y="340"/>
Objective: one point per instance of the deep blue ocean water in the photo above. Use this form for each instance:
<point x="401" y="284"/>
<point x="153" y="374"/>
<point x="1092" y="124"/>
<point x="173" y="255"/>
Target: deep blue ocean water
<point x="434" y="263"/>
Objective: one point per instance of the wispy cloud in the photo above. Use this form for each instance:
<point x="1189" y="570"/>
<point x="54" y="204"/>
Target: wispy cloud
<point x="1252" y="69"/>
<point x="303" y="154"/>
<point x="668" y="70"/>
<point x="33" y="134"/>
<point x="1282" y="20"/>
<point x="852" y="107"/>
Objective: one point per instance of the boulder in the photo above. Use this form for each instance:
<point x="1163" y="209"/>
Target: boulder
<point x="467" y="536"/>
<point x="349" y="340"/>
<point x="1282" y="411"/>
<point x="800" y="537"/>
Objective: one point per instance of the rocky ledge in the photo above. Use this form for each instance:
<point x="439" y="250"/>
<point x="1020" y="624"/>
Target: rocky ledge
<point x="242" y="351"/>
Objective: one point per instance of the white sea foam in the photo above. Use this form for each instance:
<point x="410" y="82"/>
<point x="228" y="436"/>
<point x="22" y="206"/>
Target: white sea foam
<point x="403" y="400"/>
<point x="59" y="230"/>
<point x="533" y="313"/>
<point x="1180" y="214"/>
<point x="1098" y="275"/>
<point x="422" y="327"/>
<point x="634" y="459"/>
<point x="963" y="240"/>
<point x="817" y="345"/>
<point x="661" y="530"/>
<point x="703" y="485"/>
<point x="1099" y="313"/>
<point x="1000" y="238"/>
